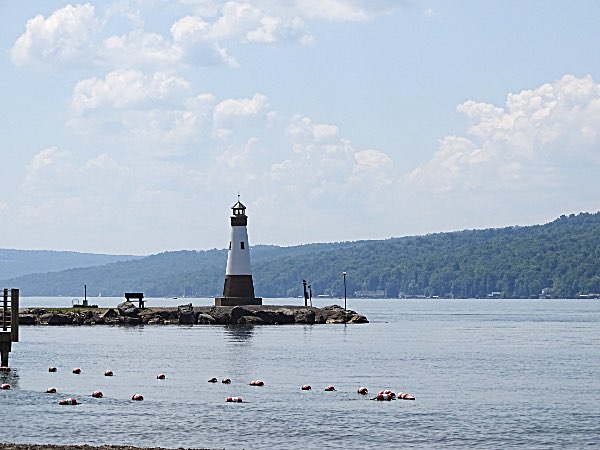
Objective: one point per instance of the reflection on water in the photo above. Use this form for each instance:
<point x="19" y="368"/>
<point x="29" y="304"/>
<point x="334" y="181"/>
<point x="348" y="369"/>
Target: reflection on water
<point x="238" y="333"/>
<point x="11" y="378"/>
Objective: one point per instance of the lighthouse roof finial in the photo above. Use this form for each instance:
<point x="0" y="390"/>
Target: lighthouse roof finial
<point x="239" y="209"/>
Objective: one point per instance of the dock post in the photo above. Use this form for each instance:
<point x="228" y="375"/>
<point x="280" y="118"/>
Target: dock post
<point x="14" y="309"/>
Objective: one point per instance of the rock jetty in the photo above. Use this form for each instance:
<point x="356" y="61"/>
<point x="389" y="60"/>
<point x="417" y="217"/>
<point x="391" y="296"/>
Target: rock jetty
<point x="127" y="313"/>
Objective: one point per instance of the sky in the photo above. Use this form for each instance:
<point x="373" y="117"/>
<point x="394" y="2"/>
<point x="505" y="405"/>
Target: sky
<point x="131" y="126"/>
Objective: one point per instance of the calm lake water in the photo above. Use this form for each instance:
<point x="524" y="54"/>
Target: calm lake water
<point x="485" y="374"/>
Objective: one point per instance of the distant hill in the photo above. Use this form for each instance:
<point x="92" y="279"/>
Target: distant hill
<point x="561" y="258"/>
<point x="15" y="263"/>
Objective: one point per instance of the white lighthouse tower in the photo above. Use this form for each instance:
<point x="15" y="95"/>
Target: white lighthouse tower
<point x="239" y="287"/>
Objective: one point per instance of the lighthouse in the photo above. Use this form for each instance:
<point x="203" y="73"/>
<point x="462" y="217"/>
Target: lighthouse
<point x="239" y="287"/>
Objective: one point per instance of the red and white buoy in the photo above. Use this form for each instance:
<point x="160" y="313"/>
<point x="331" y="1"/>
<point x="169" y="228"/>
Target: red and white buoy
<point x="257" y="383"/>
<point x="68" y="401"/>
<point x="362" y="390"/>
<point x="97" y="394"/>
<point x="330" y="388"/>
<point x="161" y="376"/>
<point x="52" y="369"/>
<point x="213" y="380"/>
<point x="51" y="390"/>
<point x="76" y="370"/>
<point x="226" y="381"/>
<point x="234" y="400"/>
<point x="405" y="396"/>
<point x="5" y="386"/>
<point x="306" y="387"/>
<point x="137" y="397"/>
<point x="108" y="373"/>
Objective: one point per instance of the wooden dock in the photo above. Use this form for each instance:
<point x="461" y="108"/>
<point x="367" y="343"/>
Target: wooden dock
<point x="9" y="323"/>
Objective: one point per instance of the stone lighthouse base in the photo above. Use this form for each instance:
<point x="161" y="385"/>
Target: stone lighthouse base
<point x="237" y="301"/>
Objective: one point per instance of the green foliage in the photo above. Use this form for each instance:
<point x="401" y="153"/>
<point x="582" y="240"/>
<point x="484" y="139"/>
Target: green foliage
<point x="561" y="257"/>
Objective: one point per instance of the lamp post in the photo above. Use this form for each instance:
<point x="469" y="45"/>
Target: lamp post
<point x="344" y="273"/>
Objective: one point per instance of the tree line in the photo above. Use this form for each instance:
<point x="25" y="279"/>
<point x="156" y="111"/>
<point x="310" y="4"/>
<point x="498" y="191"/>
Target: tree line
<point x="560" y="259"/>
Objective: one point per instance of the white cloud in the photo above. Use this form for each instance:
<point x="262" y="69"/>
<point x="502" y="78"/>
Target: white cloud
<point x="537" y="139"/>
<point x="236" y="108"/>
<point x="64" y="37"/>
<point x="125" y="89"/>
<point x="346" y="10"/>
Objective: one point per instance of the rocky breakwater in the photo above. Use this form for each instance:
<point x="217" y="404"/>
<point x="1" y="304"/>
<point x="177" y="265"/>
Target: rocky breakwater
<point x="127" y="313"/>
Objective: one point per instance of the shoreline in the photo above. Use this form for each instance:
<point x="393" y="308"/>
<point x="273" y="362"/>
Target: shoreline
<point x="11" y="446"/>
<point x="127" y="313"/>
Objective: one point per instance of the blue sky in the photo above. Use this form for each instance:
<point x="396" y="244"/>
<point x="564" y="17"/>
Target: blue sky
<point x="131" y="126"/>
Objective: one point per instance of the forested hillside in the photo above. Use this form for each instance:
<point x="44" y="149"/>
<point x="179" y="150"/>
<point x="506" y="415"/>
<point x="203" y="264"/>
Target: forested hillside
<point x="562" y="258"/>
<point x="15" y="263"/>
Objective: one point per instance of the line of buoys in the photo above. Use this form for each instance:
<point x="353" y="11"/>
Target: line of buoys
<point x="4" y="386"/>
<point x="68" y="401"/>
<point x="108" y="373"/>
<point x="97" y="394"/>
<point x="161" y="376"/>
<point x="234" y="400"/>
<point x="405" y="396"/>
<point x="52" y="369"/>
<point x="306" y="387"/>
<point x="4" y="369"/>
<point x="137" y="397"/>
<point x="257" y="383"/>
<point x="226" y="381"/>
<point x="51" y="390"/>
<point x="76" y="370"/>
<point x="213" y="380"/>
<point x="330" y="388"/>
<point x="362" y="390"/>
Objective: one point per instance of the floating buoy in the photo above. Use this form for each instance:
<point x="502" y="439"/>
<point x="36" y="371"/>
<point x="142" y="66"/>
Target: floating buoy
<point x="383" y="397"/>
<point x="257" y="383"/>
<point x="387" y="392"/>
<point x="213" y="380"/>
<point x="51" y="390"/>
<point x="137" y="397"/>
<point x="68" y="401"/>
<point x="76" y="370"/>
<point x="234" y="400"/>
<point x="405" y="396"/>
<point x="330" y="388"/>
<point x="226" y="381"/>
<point x="161" y="376"/>
<point x="52" y="369"/>
<point x="108" y="373"/>
<point x="362" y="390"/>
<point x="97" y="394"/>
<point x="306" y="387"/>
<point x="4" y="386"/>
<point x="4" y="369"/>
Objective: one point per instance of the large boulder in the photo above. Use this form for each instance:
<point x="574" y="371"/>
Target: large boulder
<point x="304" y="316"/>
<point x="110" y="314"/>
<point x="250" y="320"/>
<point x="358" y="318"/>
<point x="28" y="319"/>
<point x="238" y="312"/>
<point x="127" y="309"/>
<point x="60" y="319"/>
<point x="206" y="319"/>
<point x="130" y="320"/>
<point x="185" y="314"/>
<point x="222" y="314"/>
<point x="276" y="317"/>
